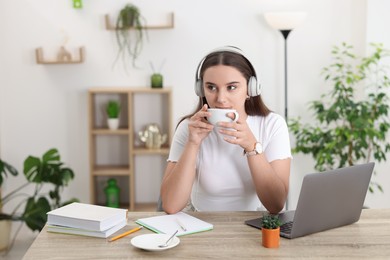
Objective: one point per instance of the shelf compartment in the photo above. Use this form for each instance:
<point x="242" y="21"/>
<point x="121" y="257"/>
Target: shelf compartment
<point x="170" y="25"/>
<point x="41" y="60"/>
<point x="100" y="183"/>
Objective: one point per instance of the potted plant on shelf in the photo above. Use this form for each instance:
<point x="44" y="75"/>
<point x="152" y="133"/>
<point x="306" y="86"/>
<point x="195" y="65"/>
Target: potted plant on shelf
<point x="156" y="80"/>
<point x="270" y="230"/>
<point x="130" y="32"/>
<point x="113" y="109"/>
<point x="347" y="130"/>
<point x="40" y="173"/>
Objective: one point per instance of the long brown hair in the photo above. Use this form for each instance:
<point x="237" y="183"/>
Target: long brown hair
<point x="254" y="106"/>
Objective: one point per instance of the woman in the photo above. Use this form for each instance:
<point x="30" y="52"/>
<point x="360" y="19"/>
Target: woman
<point x="234" y="166"/>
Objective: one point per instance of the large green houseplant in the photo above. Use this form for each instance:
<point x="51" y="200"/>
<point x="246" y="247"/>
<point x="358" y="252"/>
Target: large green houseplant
<point x="130" y="33"/>
<point x="346" y="129"/>
<point x="47" y="172"/>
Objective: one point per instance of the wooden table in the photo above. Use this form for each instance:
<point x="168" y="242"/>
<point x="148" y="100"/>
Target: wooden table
<point x="230" y="239"/>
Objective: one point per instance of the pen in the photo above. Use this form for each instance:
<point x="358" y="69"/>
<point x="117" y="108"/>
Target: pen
<point x="125" y="233"/>
<point x="181" y="224"/>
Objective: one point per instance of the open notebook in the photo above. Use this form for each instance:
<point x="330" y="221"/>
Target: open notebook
<point x="168" y="224"/>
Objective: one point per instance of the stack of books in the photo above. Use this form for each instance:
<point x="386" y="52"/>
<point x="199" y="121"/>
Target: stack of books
<point x="86" y="219"/>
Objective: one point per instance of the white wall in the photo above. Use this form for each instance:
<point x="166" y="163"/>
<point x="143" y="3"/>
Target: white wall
<point x="44" y="106"/>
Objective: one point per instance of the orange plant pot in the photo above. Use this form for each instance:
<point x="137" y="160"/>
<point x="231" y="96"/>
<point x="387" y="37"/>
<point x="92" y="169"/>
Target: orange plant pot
<point x="270" y="237"/>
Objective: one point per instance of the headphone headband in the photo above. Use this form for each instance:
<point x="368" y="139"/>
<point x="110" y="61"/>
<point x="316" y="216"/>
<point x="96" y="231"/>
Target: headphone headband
<point x="254" y="88"/>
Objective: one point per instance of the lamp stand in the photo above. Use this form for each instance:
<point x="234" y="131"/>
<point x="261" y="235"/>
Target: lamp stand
<point x="285" y="34"/>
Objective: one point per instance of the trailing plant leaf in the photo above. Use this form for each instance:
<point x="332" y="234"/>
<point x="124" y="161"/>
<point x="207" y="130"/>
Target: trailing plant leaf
<point x="347" y="130"/>
<point x="130" y="32"/>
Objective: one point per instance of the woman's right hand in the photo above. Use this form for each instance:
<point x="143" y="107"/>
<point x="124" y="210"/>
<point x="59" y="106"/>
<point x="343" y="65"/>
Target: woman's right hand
<point x="198" y="126"/>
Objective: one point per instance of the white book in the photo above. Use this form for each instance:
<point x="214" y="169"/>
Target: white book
<point x="168" y="224"/>
<point x="85" y="232"/>
<point x="86" y="216"/>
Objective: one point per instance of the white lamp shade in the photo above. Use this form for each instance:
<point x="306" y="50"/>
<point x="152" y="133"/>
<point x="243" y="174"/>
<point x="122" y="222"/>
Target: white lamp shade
<point x="285" y="20"/>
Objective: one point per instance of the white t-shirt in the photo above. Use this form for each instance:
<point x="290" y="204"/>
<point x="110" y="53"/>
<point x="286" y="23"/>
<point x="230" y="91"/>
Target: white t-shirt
<point x="224" y="181"/>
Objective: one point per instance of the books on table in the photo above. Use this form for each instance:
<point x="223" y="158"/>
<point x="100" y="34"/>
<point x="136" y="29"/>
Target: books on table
<point x="168" y="224"/>
<point x="86" y="219"/>
<point x="86" y="232"/>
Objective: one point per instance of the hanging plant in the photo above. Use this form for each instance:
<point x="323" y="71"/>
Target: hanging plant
<point x="130" y="33"/>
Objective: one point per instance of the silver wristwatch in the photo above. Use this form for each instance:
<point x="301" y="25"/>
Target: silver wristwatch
<point x="258" y="149"/>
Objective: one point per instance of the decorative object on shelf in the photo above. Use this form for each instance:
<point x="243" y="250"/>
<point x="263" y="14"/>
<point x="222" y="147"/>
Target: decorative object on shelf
<point x="129" y="42"/>
<point x="113" y="110"/>
<point x="285" y="22"/>
<point x="112" y="192"/>
<point x="47" y="170"/>
<point x="270" y="230"/>
<point x="63" y="59"/>
<point x="152" y="136"/>
<point x="64" y="55"/>
<point x="77" y="4"/>
<point x="346" y="130"/>
<point x="156" y="80"/>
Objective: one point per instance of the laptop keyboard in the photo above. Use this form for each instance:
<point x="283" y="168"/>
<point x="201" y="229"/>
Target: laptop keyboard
<point x="286" y="227"/>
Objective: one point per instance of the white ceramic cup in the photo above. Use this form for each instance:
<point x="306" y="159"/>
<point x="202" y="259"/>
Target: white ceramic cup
<point x="220" y="115"/>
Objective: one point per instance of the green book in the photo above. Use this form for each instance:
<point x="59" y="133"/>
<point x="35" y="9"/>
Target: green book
<point x="168" y="224"/>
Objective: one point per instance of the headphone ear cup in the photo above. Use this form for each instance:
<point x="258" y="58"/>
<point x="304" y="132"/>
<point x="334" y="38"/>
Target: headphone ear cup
<point x="199" y="88"/>
<point x="254" y="88"/>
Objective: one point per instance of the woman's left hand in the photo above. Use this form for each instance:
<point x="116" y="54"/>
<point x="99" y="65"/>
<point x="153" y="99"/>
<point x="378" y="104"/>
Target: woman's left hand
<point x="238" y="133"/>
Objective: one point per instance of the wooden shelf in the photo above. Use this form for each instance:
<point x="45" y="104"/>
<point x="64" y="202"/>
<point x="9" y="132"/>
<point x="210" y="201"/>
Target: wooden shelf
<point x="106" y="131"/>
<point x="119" y="90"/>
<point x="127" y="135"/>
<point x="146" y="151"/>
<point x="170" y="25"/>
<point x="41" y="60"/>
<point x="110" y="170"/>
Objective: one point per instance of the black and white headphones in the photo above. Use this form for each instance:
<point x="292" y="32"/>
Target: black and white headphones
<point x="254" y="87"/>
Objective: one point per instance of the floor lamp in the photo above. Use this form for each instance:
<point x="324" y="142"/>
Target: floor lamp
<point x="285" y="22"/>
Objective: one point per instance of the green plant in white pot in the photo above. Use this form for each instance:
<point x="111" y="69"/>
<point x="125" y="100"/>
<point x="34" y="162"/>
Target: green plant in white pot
<point x="31" y="209"/>
<point x="113" y="109"/>
<point x="346" y="129"/>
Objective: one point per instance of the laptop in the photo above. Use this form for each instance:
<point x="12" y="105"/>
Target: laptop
<point x="327" y="200"/>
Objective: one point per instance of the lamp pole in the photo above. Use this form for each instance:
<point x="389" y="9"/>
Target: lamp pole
<point x="285" y="22"/>
<point x="285" y="34"/>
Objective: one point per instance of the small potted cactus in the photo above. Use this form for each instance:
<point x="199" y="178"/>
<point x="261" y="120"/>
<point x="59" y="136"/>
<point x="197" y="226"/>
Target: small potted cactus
<point x="270" y="230"/>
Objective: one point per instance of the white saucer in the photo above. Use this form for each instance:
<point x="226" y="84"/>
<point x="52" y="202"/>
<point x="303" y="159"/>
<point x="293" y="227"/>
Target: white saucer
<point x="151" y="242"/>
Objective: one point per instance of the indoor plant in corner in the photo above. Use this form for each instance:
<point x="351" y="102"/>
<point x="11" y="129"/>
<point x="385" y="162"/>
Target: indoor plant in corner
<point x="270" y="230"/>
<point x="346" y="129"/>
<point x="48" y="171"/>
<point x="130" y="31"/>
<point x="113" y="110"/>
